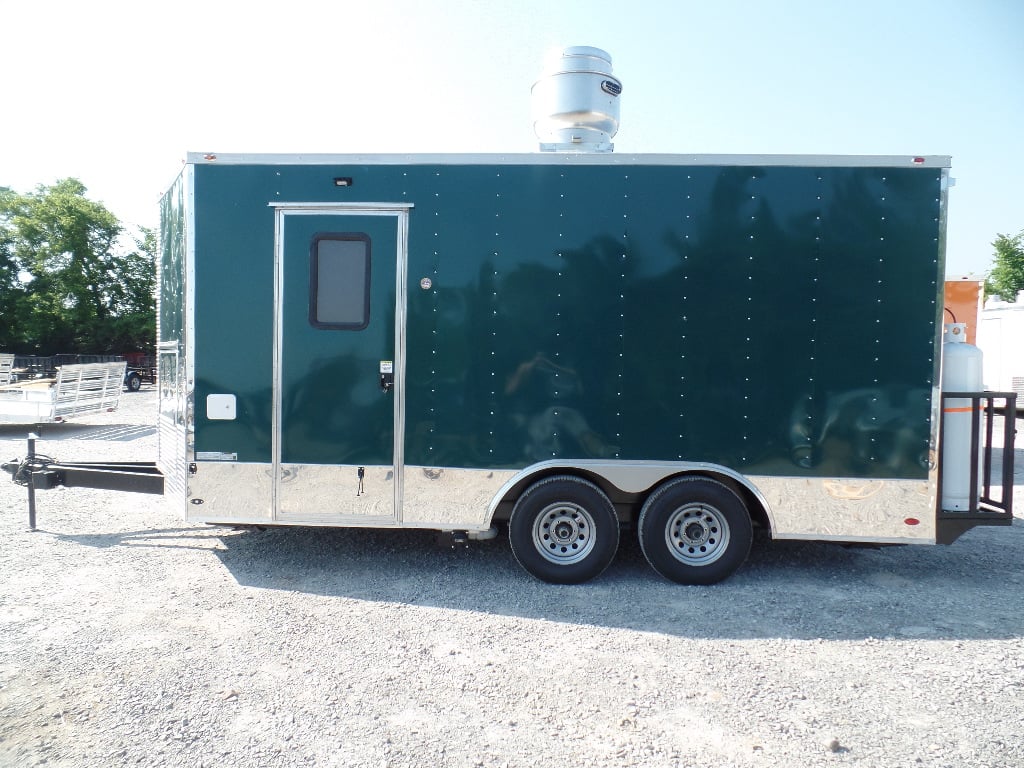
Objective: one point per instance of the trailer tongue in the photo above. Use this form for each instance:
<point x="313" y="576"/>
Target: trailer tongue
<point x="40" y="472"/>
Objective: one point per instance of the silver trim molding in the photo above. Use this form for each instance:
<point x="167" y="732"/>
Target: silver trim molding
<point x="228" y="491"/>
<point x="575" y="158"/>
<point x="449" y="498"/>
<point x="816" y="508"/>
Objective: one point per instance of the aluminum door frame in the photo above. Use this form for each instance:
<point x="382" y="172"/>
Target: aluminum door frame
<point x="400" y="211"/>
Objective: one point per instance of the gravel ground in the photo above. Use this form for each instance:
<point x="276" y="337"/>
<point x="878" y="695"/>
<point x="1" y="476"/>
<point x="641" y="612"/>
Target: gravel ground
<point x="132" y="638"/>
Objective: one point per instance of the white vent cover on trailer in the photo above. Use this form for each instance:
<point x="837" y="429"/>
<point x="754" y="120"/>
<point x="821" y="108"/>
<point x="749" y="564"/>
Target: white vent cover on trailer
<point x="576" y="102"/>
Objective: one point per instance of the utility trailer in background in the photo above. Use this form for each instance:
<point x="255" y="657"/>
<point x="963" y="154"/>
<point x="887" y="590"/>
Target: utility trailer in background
<point x="140" y="367"/>
<point x="73" y="390"/>
<point x="6" y="368"/>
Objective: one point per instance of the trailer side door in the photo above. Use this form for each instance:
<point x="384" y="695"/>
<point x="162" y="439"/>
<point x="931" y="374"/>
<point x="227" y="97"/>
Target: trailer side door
<point x="338" y="363"/>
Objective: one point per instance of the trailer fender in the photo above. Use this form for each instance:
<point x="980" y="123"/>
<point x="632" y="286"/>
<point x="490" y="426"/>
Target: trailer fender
<point x="636" y="479"/>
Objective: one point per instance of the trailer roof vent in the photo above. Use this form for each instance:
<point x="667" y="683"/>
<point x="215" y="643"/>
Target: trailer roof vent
<point x="576" y="102"/>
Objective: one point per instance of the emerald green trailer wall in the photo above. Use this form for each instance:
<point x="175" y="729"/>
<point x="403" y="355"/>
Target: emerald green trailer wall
<point x="768" y="323"/>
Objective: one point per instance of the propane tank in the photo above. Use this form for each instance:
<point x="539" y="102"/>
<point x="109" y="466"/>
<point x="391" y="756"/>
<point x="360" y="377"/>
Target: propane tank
<point x="961" y="372"/>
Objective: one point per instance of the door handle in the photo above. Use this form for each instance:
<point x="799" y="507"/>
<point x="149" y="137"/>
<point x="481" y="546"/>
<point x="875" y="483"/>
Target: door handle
<point x="387" y="375"/>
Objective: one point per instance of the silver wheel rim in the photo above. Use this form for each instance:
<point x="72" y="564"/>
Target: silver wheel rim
<point x="697" y="534"/>
<point x="563" y="533"/>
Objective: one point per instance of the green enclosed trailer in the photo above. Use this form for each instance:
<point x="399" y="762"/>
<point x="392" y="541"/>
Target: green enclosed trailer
<point x="685" y="346"/>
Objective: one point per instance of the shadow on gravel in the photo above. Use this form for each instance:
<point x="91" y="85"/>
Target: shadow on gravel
<point x="1018" y="458"/>
<point x="159" y="538"/>
<point x="1018" y="461"/>
<point x="794" y="590"/>
<point x="112" y="432"/>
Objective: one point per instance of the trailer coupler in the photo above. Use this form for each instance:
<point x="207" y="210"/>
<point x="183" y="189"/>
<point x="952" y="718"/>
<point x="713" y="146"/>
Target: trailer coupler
<point x="38" y="471"/>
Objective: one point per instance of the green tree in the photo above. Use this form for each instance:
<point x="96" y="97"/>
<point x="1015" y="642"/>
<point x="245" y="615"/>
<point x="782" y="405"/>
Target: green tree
<point x="134" y="300"/>
<point x="1007" y="275"/>
<point x="12" y="295"/>
<point x="69" y="284"/>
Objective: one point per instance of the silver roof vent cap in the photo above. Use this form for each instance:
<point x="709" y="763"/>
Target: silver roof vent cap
<point x="576" y="101"/>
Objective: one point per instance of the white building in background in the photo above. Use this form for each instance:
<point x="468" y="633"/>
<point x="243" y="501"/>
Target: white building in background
<point x="1001" y="338"/>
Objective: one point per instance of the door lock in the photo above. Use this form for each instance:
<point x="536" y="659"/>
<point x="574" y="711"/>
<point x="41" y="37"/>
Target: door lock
<point x="387" y="375"/>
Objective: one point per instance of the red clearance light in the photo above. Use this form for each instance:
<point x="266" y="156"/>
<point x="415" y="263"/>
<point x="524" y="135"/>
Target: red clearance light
<point x="912" y="521"/>
<point x="918" y="161"/>
<point x="209" y="157"/>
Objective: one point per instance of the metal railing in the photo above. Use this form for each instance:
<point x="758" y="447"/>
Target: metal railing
<point x="986" y="507"/>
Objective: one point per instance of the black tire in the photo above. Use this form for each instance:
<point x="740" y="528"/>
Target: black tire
<point x="564" y="530"/>
<point x="133" y="382"/>
<point x="694" y="530"/>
